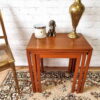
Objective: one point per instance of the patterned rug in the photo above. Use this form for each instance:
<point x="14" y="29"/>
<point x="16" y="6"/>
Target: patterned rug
<point x="55" y="86"/>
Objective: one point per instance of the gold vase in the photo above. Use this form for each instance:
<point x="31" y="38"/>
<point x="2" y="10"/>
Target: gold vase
<point x="76" y="10"/>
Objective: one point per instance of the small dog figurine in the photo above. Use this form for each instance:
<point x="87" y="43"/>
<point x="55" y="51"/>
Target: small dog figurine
<point x="52" y="26"/>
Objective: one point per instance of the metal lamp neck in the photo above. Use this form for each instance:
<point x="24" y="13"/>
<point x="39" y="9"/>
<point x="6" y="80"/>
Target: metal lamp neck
<point x="79" y="1"/>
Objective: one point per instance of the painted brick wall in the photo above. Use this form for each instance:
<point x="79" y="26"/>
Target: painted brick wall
<point x="21" y="15"/>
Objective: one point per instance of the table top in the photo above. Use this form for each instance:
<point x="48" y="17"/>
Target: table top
<point x="59" y="42"/>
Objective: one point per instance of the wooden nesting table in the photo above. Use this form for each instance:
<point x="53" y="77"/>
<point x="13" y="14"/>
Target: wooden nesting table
<point x="77" y="50"/>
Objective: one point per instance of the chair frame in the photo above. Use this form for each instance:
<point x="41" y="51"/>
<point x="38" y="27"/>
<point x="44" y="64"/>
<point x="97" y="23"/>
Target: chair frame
<point x="6" y="64"/>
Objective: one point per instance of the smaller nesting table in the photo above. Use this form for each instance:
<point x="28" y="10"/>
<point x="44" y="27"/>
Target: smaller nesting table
<point x="78" y="51"/>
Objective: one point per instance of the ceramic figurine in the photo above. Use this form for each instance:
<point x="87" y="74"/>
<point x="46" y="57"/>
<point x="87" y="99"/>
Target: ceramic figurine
<point x="52" y="26"/>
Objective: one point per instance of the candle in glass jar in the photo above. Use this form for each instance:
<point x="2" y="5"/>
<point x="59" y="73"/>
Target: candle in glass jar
<point x="40" y="31"/>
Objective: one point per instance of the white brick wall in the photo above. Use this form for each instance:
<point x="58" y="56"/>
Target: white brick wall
<point x="21" y="15"/>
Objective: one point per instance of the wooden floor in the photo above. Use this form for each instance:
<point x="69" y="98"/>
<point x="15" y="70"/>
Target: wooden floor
<point x="4" y="73"/>
<point x="55" y="68"/>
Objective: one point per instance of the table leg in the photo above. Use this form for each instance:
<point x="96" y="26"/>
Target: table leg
<point x="30" y="70"/>
<point x="42" y="69"/>
<point x="81" y="73"/>
<point x="34" y="68"/>
<point x="86" y="70"/>
<point x="76" y="73"/>
<point x="38" y="61"/>
<point x="72" y="63"/>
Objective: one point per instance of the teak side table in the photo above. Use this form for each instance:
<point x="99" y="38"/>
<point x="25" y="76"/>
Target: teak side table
<point x="77" y="50"/>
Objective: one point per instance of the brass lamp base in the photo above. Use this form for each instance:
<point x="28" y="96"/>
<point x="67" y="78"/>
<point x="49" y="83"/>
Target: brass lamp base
<point x="73" y="35"/>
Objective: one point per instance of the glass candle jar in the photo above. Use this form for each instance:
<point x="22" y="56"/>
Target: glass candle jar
<point x="40" y="31"/>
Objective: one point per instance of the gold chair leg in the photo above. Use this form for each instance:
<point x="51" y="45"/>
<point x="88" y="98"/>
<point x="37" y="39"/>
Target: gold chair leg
<point x="15" y="78"/>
